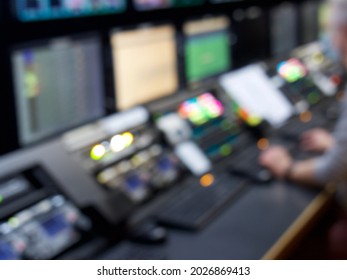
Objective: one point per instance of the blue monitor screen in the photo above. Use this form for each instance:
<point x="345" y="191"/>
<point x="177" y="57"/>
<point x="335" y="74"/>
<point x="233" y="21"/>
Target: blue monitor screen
<point x="34" y="10"/>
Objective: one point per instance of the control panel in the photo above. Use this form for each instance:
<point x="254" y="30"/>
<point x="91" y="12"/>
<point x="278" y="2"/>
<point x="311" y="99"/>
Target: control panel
<point x="205" y="118"/>
<point x="42" y="231"/>
<point x="124" y="153"/>
<point x="326" y="72"/>
<point x="36" y="221"/>
<point x="293" y="78"/>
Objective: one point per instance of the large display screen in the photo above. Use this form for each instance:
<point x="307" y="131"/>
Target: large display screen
<point x="284" y="29"/>
<point x="145" y="64"/>
<point x="58" y="85"/>
<point x="144" y="5"/>
<point x="33" y="10"/>
<point x="207" y="48"/>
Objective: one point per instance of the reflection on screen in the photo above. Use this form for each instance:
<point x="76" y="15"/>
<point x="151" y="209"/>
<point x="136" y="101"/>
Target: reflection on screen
<point x="143" y="5"/>
<point x="145" y="64"/>
<point x="58" y="84"/>
<point x="207" y="48"/>
<point x="199" y="110"/>
<point x="32" y="10"/>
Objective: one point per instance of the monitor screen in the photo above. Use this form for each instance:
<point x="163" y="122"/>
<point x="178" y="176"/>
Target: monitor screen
<point x="58" y="85"/>
<point x="284" y="29"/>
<point x="323" y="18"/>
<point x="145" y="64"/>
<point x="33" y="10"/>
<point x="251" y="43"/>
<point x="144" y="5"/>
<point x="207" y="48"/>
<point x="309" y="22"/>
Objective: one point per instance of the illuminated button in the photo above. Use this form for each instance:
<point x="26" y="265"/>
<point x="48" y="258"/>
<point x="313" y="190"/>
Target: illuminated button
<point x="13" y="222"/>
<point x="107" y="175"/>
<point x="263" y="144"/>
<point x="98" y="152"/>
<point x="306" y="117"/>
<point x="128" y="138"/>
<point x="336" y="79"/>
<point x="313" y="97"/>
<point x="318" y="58"/>
<point x="155" y="150"/>
<point x="225" y="150"/>
<point x="118" y="143"/>
<point x="207" y="180"/>
<point x="124" y="167"/>
<point x="254" y="120"/>
<point x="1" y="199"/>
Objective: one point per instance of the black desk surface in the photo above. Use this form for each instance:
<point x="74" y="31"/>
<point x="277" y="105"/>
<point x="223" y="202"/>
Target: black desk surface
<point x="247" y="229"/>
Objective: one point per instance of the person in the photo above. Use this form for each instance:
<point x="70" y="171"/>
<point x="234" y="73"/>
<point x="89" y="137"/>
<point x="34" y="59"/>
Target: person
<point x="331" y="165"/>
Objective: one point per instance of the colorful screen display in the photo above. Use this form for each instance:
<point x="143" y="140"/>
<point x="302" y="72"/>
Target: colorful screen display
<point x="292" y="70"/>
<point x="34" y="10"/>
<point x="144" y="5"/>
<point x="207" y="48"/>
<point x="200" y="110"/>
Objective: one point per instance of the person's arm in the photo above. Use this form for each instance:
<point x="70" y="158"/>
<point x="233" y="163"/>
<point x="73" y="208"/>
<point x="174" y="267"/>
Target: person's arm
<point x="303" y="172"/>
<point x="281" y="164"/>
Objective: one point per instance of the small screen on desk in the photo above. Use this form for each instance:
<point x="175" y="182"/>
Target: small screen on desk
<point x="215" y="128"/>
<point x="199" y="110"/>
<point x="292" y="70"/>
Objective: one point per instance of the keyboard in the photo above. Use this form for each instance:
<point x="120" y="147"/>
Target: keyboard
<point x="194" y="206"/>
<point x="245" y="163"/>
<point x="131" y="251"/>
<point x="294" y="129"/>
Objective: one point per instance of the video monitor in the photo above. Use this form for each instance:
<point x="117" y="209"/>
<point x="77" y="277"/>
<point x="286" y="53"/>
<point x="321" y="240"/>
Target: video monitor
<point x="251" y="30"/>
<point x="284" y="29"/>
<point x="145" y="5"/>
<point x="224" y="1"/>
<point x="58" y="84"/>
<point x="34" y="10"/>
<point x="324" y="10"/>
<point x="145" y="64"/>
<point x="207" y="48"/>
<point x="309" y="21"/>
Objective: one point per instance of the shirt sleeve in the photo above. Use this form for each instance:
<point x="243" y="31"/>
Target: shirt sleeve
<point x="332" y="166"/>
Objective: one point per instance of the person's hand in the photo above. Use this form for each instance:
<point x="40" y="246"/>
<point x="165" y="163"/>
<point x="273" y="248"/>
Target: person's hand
<point x="316" y="140"/>
<point x="277" y="159"/>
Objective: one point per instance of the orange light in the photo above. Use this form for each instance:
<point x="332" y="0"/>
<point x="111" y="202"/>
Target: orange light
<point x="263" y="144"/>
<point x="207" y="180"/>
<point x="306" y="117"/>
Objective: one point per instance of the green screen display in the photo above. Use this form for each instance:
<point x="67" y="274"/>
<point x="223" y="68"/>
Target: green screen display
<point x="207" y="55"/>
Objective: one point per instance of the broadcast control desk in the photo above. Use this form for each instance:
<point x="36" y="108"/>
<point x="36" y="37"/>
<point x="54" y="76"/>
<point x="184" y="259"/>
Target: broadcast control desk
<point x="264" y="222"/>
